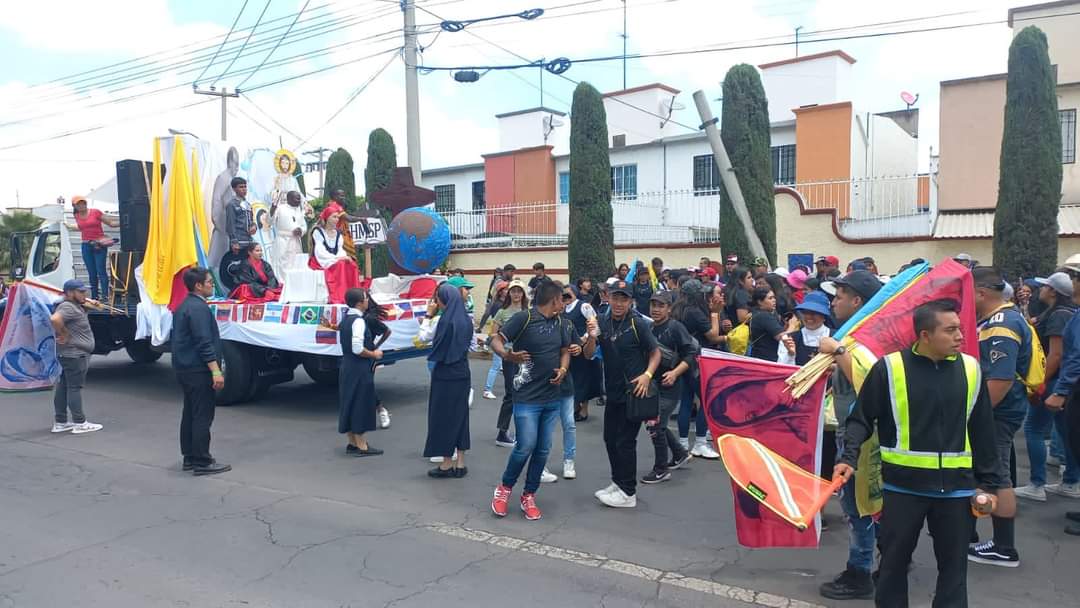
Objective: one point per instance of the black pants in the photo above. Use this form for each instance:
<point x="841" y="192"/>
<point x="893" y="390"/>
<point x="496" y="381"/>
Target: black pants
<point x="1072" y="421"/>
<point x="665" y="443"/>
<point x="902" y="517"/>
<point x="620" y="438"/>
<point x="197" y="417"/>
<point x="506" y="410"/>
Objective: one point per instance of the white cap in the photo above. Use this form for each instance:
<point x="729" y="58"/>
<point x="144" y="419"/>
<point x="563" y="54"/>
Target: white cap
<point x="1073" y="263"/>
<point x="1059" y="282"/>
<point x="783" y="272"/>
<point x="829" y="287"/>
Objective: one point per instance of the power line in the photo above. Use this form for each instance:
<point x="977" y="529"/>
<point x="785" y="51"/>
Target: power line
<point x="270" y="116"/>
<point x="223" y="41"/>
<point x="246" y="40"/>
<point x="283" y="36"/>
<point x="348" y="101"/>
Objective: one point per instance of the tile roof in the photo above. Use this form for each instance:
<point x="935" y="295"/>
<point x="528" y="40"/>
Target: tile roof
<point x="980" y="224"/>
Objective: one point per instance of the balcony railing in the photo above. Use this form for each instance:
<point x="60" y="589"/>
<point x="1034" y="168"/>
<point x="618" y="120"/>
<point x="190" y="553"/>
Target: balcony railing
<point x="876" y="207"/>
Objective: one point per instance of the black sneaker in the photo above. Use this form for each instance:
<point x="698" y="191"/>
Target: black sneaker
<point x="188" y="465"/>
<point x="1072" y="529"/>
<point x="504" y="440"/>
<point x="656" y="477"/>
<point x="678" y="462"/>
<point x="1073" y="516"/>
<point x="849" y="585"/>
<point x="211" y="469"/>
<point x="991" y="555"/>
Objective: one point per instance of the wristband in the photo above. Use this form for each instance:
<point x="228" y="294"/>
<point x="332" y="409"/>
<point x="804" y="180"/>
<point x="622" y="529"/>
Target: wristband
<point x="649" y="374"/>
<point x="217" y="374"/>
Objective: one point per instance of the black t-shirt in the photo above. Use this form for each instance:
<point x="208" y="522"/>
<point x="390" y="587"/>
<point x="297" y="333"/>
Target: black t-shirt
<point x="674" y="336"/>
<point x="627" y="344"/>
<point x="642" y="294"/>
<point x="544" y="340"/>
<point x="764" y="327"/>
<point x="697" y="323"/>
<point x="739" y="299"/>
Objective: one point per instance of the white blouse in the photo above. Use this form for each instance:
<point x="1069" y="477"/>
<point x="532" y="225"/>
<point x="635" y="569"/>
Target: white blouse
<point x="358" y="329"/>
<point x="325" y="252"/>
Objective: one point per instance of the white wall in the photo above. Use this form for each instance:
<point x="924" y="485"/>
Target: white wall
<point x="527" y="131"/>
<point x="462" y="182"/>
<point x="638" y="126"/>
<point x="892" y="150"/>
<point x="815" y="81"/>
<point x="1069" y="99"/>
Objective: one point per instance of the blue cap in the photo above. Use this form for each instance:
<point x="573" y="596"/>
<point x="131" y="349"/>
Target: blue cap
<point x="815" y="302"/>
<point x="75" y="285"/>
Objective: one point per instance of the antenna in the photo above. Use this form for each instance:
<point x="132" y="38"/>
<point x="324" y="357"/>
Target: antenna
<point x="550" y="122"/>
<point x="909" y="99"/>
<point x="667" y="108"/>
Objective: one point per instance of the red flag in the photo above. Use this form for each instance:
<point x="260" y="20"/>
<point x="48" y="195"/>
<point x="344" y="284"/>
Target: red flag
<point x="890" y="328"/>
<point x="749" y="398"/>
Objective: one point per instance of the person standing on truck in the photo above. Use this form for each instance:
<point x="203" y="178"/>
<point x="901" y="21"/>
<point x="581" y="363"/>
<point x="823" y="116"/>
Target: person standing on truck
<point x="74" y="343"/>
<point x="239" y="221"/>
<point x="95" y="245"/>
<point x="196" y="351"/>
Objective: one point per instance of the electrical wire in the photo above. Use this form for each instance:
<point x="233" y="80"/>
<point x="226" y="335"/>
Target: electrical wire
<point x="348" y="101"/>
<point x="270" y="116"/>
<point x="223" y="41"/>
<point x="246" y="40"/>
<point x="283" y="36"/>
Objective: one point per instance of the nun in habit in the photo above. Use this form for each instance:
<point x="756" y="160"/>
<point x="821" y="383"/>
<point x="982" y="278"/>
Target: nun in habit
<point x="448" y="400"/>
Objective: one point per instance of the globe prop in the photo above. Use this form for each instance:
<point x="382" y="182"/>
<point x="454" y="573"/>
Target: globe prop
<point x="419" y="240"/>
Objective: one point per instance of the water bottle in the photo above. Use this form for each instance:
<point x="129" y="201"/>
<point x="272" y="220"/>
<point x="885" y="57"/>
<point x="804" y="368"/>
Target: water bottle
<point x="590" y="313"/>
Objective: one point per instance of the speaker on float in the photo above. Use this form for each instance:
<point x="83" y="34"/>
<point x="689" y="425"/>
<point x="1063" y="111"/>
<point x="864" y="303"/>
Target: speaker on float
<point x="134" y="201"/>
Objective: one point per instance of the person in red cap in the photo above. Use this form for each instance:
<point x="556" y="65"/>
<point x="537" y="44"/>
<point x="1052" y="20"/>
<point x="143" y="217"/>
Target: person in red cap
<point x="329" y="254"/>
<point x="824" y="265"/>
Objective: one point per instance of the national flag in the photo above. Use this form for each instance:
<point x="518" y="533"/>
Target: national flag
<point x="27" y="342"/>
<point x="326" y="336"/>
<point x="749" y="398"/>
<point x="328" y="317"/>
<point x="272" y="313"/>
<point x="255" y="312"/>
<point x="308" y="315"/>
<point x="223" y="312"/>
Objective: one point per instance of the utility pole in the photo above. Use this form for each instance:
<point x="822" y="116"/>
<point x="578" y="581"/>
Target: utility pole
<point x="412" y="92"/>
<point x="727" y="174"/>
<point x="797" y="40"/>
<point x="320" y="153"/>
<point x="224" y="96"/>
<point x="625" y="35"/>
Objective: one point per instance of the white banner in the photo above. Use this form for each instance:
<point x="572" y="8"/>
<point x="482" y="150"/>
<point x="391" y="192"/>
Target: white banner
<point x="368" y="231"/>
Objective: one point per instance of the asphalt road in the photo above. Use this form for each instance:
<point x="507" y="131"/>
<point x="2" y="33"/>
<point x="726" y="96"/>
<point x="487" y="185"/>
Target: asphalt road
<point x="108" y="519"/>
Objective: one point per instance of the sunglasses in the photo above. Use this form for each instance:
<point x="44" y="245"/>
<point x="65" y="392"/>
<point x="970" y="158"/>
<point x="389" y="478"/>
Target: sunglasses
<point x="567" y="296"/>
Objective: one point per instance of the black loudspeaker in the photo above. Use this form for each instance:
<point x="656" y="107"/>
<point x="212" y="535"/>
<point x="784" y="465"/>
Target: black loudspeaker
<point x="134" y="202"/>
<point x="122" y="286"/>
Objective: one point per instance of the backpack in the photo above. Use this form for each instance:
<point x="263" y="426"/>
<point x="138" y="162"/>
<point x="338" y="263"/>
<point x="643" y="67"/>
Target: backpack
<point x="1036" y="375"/>
<point x="738" y="339"/>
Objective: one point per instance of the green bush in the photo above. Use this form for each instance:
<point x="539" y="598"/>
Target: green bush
<point x="591" y="248"/>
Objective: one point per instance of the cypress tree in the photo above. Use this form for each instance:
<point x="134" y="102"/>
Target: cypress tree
<point x="744" y="128"/>
<point x="381" y="162"/>
<point x="591" y="248"/>
<point x="1029" y="185"/>
<point x="339" y="175"/>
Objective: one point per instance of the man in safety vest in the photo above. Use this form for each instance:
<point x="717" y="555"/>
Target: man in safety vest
<point x="933" y="417"/>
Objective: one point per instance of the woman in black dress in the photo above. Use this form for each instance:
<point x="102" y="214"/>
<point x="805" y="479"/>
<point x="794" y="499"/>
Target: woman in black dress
<point x="587" y="374"/>
<point x="356" y="382"/>
<point x="448" y="401"/>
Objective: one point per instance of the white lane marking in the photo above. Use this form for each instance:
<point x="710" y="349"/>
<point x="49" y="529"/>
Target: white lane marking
<point x="581" y="558"/>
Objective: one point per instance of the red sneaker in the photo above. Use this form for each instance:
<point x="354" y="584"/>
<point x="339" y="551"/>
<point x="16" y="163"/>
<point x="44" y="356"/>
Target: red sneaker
<point x="500" y="500"/>
<point x="529" y="508"/>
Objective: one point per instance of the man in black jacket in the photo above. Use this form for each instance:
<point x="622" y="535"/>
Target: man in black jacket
<point x="196" y="351"/>
<point x="936" y="428"/>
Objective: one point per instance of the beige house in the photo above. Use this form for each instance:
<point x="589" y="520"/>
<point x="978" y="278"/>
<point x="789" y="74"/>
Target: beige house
<point x="972" y="119"/>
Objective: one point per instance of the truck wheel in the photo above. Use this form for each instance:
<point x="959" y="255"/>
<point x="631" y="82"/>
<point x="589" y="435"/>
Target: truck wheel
<point x="323" y="369"/>
<point x="141" y="352"/>
<point x="236" y="366"/>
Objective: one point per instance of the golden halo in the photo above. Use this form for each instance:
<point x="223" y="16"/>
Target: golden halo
<point x="283" y="156"/>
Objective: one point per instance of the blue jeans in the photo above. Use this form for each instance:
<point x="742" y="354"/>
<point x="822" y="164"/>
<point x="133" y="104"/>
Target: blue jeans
<point x="535" y="423"/>
<point x="95" y="258"/>
<point x="569" y="428"/>
<point x="1057" y="441"/>
<point x="862" y="531"/>
<point x="1040" y="420"/>
<point x="494" y="372"/>
<point x="690" y="390"/>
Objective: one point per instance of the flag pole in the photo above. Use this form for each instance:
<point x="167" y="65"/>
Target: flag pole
<point x="819" y="503"/>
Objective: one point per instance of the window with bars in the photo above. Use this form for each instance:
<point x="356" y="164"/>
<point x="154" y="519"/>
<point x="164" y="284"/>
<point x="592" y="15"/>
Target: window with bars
<point x="1068" y="135"/>
<point x="783" y="164"/>
<point x="479" y="203"/>
<point x="564" y="187"/>
<point x="444" y="199"/>
<point x="706" y="176"/>
<point x="624" y="182"/>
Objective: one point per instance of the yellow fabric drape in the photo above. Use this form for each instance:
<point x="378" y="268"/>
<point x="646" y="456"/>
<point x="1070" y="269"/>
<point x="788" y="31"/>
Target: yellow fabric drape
<point x="171" y="243"/>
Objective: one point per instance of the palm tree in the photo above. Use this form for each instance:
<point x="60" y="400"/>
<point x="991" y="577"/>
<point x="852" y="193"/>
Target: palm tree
<point x="10" y="223"/>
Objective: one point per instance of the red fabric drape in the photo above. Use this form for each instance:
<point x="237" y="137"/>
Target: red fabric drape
<point x="244" y="294"/>
<point x="340" y="277"/>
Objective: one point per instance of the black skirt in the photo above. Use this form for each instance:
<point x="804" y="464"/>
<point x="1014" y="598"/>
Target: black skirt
<point x="588" y="376"/>
<point x="448" y="409"/>
<point x="356" y="399"/>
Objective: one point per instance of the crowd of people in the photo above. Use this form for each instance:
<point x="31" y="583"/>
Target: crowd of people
<point x="629" y="343"/>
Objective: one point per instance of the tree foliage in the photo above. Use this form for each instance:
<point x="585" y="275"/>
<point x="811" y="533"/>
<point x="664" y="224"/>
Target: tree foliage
<point x="11" y="222"/>
<point x="591" y="249"/>
<point x="744" y="128"/>
<point x="1029" y="185"/>
<point x="339" y="175"/>
<point x="381" y="162"/>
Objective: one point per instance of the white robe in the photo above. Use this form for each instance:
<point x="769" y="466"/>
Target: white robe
<point x="286" y="244"/>
<point x="324" y="255"/>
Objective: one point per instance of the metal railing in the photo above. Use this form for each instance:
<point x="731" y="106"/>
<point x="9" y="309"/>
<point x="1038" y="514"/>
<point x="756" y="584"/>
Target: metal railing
<point x="655" y="217"/>
<point x="875" y="207"/>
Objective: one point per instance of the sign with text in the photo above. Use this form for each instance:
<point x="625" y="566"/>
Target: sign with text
<point x="368" y="231"/>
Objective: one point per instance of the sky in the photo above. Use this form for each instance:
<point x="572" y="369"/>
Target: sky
<point x="87" y="84"/>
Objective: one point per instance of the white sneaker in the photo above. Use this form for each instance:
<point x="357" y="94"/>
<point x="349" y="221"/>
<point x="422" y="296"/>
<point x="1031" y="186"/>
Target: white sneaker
<point x="438" y="459"/>
<point x="1032" y="492"/>
<point x="1068" y="490"/>
<point x="705" y="450"/>
<point x="619" y="500"/>
<point x="470" y="398"/>
<point x="85" y="427"/>
<point x="568" y="471"/>
<point x="62" y="427"/>
<point x="684" y="442"/>
<point x="611" y="488"/>
<point x="489" y="395"/>
<point x="548" y="477"/>
<point x="1054" y="461"/>
<point x="384" y="418"/>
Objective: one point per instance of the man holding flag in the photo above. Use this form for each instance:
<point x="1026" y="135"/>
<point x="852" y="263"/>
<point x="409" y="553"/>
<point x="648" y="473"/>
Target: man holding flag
<point x="933" y="416"/>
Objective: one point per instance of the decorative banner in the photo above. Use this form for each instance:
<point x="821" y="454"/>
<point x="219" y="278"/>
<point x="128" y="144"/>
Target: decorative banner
<point x="27" y="343"/>
<point x="368" y="231"/>
<point x="749" y="398"/>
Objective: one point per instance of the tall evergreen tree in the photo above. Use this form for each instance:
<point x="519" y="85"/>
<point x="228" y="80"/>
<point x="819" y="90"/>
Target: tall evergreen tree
<point x="339" y="175"/>
<point x="591" y="249"/>
<point x="744" y="128"/>
<point x="1029" y="186"/>
<point x="381" y="162"/>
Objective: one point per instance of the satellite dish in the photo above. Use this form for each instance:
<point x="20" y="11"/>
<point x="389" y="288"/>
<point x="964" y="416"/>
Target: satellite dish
<point x="908" y="98"/>
<point x="550" y="122"/>
<point x="667" y="106"/>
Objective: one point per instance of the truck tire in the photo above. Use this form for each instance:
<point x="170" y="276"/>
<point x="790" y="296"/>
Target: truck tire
<point x="236" y="365"/>
<point x="140" y="351"/>
<point x="323" y="369"/>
